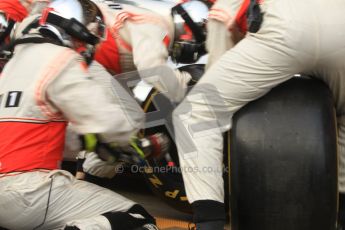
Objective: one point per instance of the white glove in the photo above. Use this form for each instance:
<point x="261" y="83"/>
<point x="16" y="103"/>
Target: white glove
<point x="95" y="166"/>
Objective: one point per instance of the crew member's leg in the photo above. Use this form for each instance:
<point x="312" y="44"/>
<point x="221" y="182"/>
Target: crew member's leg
<point x="50" y="200"/>
<point x="248" y="71"/>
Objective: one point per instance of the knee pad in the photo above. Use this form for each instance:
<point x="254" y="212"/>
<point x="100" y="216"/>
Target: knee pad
<point x="134" y="218"/>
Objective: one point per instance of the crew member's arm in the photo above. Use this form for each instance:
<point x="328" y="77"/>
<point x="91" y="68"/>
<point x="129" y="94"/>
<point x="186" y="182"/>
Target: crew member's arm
<point x="222" y="32"/>
<point x="87" y="106"/>
<point x="150" y="51"/>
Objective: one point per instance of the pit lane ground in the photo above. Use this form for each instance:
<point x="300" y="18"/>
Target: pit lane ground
<point x="135" y="188"/>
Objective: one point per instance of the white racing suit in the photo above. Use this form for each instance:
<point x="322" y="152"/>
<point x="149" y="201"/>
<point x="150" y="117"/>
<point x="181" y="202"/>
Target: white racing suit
<point x="219" y="38"/>
<point x="138" y="39"/>
<point x="42" y="88"/>
<point x="295" y="37"/>
<point x="134" y="118"/>
<point x="223" y="32"/>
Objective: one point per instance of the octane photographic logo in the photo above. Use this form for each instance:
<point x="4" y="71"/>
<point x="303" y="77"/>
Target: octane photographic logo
<point x="184" y="127"/>
<point x="169" y="169"/>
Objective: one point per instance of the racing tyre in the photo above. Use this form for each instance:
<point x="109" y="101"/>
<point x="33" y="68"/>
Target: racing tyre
<point x="284" y="160"/>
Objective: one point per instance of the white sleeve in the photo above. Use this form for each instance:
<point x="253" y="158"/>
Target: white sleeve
<point x="219" y="38"/>
<point x="95" y="166"/>
<point x="84" y="103"/>
<point x="150" y="52"/>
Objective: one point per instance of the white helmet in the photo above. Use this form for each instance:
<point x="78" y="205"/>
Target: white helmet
<point x="79" y="19"/>
<point x="69" y="9"/>
<point x="190" y="19"/>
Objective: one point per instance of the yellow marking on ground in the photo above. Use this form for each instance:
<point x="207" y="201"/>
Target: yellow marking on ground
<point x="183" y="198"/>
<point x="171" y="224"/>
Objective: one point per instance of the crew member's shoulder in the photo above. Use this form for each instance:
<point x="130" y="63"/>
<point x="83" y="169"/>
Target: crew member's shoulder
<point x="65" y="56"/>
